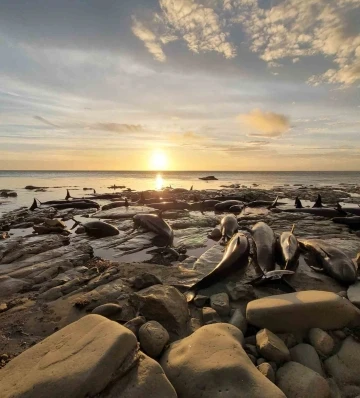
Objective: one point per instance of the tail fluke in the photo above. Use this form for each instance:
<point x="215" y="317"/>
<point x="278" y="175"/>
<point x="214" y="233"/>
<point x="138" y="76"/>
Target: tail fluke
<point x="34" y="205"/>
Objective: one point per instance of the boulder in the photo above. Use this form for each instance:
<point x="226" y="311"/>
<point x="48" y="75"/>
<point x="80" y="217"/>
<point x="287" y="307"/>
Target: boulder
<point x="240" y="291"/>
<point x="302" y="310"/>
<point x="271" y="347"/>
<point x="211" y="363"/>
<point x="145" y="280"/>
<point x="266" y="369"/>
<point x="344" y="366"/>
<point x="166" y="305"/>
<point x="146" y="379"/>
<point x="153" y="337"/>
<point x="298" y="381"/>
<point x="321" y="341"/>
<point x="353" y="293"/>
<point x="107" y="310"/>
<point x="209" y="316"/>
<point x="237" y="319"/>
<point x="135" y="324"/>
<point x="79" y="360"/>
<point x="220" y="303"/>
<point x="307" y="356"/>
<point x="194" y="325"/>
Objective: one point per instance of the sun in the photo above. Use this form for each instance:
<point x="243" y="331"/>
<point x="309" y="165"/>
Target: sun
<point x="158" y="160"/>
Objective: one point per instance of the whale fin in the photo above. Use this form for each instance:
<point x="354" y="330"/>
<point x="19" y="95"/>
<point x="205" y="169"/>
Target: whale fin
<point x="327" y="254"/>
<point x="273" y="204"/>
<point x="298" y="203"/>
<point x="318" y="202"/>
<point x="34" y="205"/>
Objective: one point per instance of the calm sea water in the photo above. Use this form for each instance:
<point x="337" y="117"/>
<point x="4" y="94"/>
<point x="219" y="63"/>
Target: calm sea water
<point x="58" y="181"/>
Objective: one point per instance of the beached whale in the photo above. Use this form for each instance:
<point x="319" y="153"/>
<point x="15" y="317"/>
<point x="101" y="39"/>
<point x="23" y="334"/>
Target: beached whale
<point x="235" y="258"/>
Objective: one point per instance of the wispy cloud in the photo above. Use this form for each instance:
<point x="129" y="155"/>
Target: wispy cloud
<point x="267" y="124"/>
<point x="45" y="121"/>
<point x="117" y="127"/>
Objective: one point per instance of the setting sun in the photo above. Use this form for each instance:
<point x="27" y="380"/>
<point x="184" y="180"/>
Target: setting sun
<point x="158" y="160"/>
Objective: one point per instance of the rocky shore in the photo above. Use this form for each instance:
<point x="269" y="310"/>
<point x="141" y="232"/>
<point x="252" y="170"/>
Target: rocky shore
<point x="83" y="316"/>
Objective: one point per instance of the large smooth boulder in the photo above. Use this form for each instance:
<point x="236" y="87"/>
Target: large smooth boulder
<point x="344" y="366"/>
<point x="211" y="363"/>
<point x="298" y="381"/>
<point x="79" y="360"/>
<point x="146" y="379"/>
<point x="302" y="310"/>
<point x="307" y="356"/>
<point x="166" y="305"/>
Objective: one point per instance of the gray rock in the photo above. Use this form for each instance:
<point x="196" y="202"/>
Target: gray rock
<point x="339" y="334"/>
<point x="266" y="369"/>
<point x="194" y="325"/>
<point x="220" y="303"/>
<point x="307" y="356"/>
<point x="77" y="361"/>
<point x="153" y="337"/>
<point x="145" y="379"/>
<point x="135" y="324"/>
<point x="321" y="341"/>
<point x="210" y="316"/>
<point x="289" y="339"/>
<point x="334" y="389"/>
<point x="252" y="358"/>
<point x="200" y="300"/>
<point x="240" y="291"/>
<point x="271" y="347"/>
<point x="166" y="305"/>
<point x="298" y="381"/>
<point x="302" y="310"/>
<point x="259" y="361"/>
<point x="344" y="366"/>
<point x="9" y="286"/>
<point x="239" y="320"/>
<point x="108" y="310"/>
<point x="145" y="280"/>
<point x="52" y="294"/>
<point x="353" y="293"/>
<point x="211" y="363"/>
<point x="251" y="349"/>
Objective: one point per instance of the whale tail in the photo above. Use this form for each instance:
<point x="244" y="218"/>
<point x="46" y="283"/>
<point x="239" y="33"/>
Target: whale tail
<point x="68" y="196"/>
<point x="298" y="203"/>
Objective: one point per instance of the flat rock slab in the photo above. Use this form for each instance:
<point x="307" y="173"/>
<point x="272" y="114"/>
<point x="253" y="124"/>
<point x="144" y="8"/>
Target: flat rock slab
<point x="80" y="360"/>
<point x="302" y="310"/>
<point x="123" y="212"/>
<point x="211" y="363"/>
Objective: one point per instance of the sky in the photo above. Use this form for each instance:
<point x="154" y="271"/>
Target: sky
<point x="180" y="84"/>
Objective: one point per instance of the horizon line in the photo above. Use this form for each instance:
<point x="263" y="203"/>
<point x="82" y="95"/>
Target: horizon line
<point x="189" y="171"/>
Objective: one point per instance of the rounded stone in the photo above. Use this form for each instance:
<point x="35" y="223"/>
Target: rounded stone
<point x="153" y="337"/>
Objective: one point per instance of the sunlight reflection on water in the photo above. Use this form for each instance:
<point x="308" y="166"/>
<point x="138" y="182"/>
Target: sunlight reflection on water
<point x="159" y="182"/>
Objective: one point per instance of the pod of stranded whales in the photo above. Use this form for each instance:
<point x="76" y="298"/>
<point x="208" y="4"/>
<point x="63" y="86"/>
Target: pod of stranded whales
<point x="269" y="251"/>
<point x="93" y="345"/>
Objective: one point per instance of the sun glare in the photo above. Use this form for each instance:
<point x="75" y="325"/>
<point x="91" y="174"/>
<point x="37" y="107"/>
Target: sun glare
<point x="159" y="182"/>
<point x="158" y="160"/>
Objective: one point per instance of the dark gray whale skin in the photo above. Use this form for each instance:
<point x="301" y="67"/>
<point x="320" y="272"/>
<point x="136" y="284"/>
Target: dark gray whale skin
<point x="235" y="257"/>
<point x="100" y="229"/>
<point x="331" y="259"/>
<point x="265" y="244"/>
<point x="156" y="224"/>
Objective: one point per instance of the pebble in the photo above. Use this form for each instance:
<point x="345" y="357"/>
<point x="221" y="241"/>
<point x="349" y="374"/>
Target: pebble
<point x="307" y="356"/>
<point x="271" y="347"/>
<point x="107" y="310"/>
<point x="153" y="337"/>
<point x="220" y="303"/>
<point x="3" y="307"/>
<point x="200" y="300"/>
<point x="267" y="370"/>
<point x="210" y="316"/>
<point x="237" y="319"/>
<point x="145" y="280"/>
<point x="251" y="349"/>
<point x="321" y="341"/>
<point x="135" y="324"/>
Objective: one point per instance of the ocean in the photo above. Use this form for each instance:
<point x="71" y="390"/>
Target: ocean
<point x="58" y="181"/>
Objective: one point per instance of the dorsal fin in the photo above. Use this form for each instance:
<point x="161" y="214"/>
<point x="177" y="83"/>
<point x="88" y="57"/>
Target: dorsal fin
<point x="328" y="255"/>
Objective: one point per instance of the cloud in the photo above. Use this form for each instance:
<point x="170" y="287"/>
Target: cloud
<point x="186" y="137"/>
<point x="117" y="127"/>
<point x="199" y="25"/>
<point x="297" y="29"/>
<point x="267" y="124"/>
<point x="41" y="119"/>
